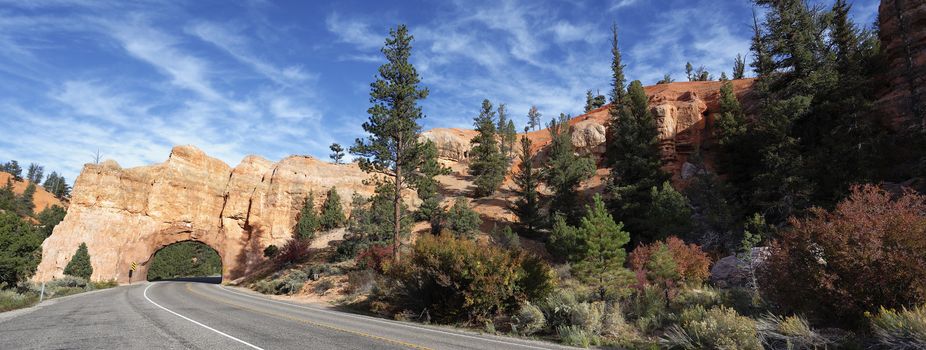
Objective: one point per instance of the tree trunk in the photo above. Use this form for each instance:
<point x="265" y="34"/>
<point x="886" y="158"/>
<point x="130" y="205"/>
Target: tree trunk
<point x="397" y="205"/>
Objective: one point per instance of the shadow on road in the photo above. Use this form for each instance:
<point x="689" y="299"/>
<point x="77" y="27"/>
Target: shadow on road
<point x="210" y="280"/>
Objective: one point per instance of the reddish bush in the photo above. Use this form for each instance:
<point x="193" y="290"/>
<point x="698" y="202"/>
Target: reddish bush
<point x="293" y="252"/>
<point x="375" y="257"/>
<point x="691" y="264"/>
<point x="870" y="251"/>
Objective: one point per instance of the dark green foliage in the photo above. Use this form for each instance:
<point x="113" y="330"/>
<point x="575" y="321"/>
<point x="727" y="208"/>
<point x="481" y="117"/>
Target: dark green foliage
<point x="527" y="206"/>
<point x="13" y="168"/>
<point x="79" y="265"/>
<point x="666" y="79"/>
<point x="392" y="148"/>
<point x="669" y="212"/>
<point x="271" y="251"/>
<point x="426" y="185"/>
<point x="506" y="237"/>
<point x="25" y="205"/>
<point x="618" y="101"/>
<point x="35" y="173"/>
<point x="332" y="215"/>
<point x="7" y="196"/>
<point x="309" y="222"/>
<point x="688" y="71"/>
<point x="636" y="164"/>
<point x="739" y="67"/>
<point x="564" y="241"/>
<point x="487" y="164"/>
<point x="49" y="218"/>
<point x="593" y="102"/>
<point x="533" y="119"/>
<point x="370" y="223"/>
<point x="507" y="134"/>
<point x="601" y="263"/>
<point x="564" y="170"/>
<point x="187" y="259"/>
<point x="20" y="249"/>
<point x="462" y="220"/>
<point x="337" y="153"/>
<point x="713" y="207"/>
<point x="57" y="185"/>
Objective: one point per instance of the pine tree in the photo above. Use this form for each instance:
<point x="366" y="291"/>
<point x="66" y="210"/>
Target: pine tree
<point x="533" y="119"/>
<point x="593" y="102"/>
<point x="57" y="185"/>
<point x="527" y="206"/>
<point x="14" y="169"/>
<point x="666" y="79"/>
<point x="337" y="153"/>
<point x="392" y="149"/>
<point x="462" y="220"/>
<point x="332" y="215"/>
<point x="739" y="67"/>
<point x="618" y="101"/>
<point x="426" y="184"/>
<point x="511" y="136"/>
<point x="49" y="218"/>
<point x="24" y="203"/>
<point x="688" y="71"/>
<point x="35" y="173"/>
<point x="486" y="162"/>
<point x="19" y="245"/>
<point x="669" y="213"/>
<point x="308" y="222"/>
<point x="637" y="165"/>
<point x="601" y="264"/>
<point x="7" y="196"/>
<point x="564" y="170"/>
<point x="79" y="266"/>
<point x="506" y="133"/>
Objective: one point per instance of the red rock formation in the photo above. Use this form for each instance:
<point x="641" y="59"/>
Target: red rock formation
<point x="903" y="42"/>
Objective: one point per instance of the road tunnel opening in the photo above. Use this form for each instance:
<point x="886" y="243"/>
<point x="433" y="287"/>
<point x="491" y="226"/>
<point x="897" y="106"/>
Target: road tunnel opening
<point x="185" y="260"/>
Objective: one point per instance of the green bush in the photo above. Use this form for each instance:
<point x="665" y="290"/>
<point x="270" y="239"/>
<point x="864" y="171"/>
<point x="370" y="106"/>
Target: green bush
<point x="289" y="284"/>
<point x="792" y="332"/>
<point x="557" y="307"/>
<point x="19" y="245"/>
<point x="323" y="286"/>
<point x="104" y="284"/>
<point x="614" y="325"/>
<point x="588" y="315"/>
<point x="461" y="280"/>
<point x="361" y="282"/>
<point x="574" y="336"/>
<point x="904" y="329"/>
<point x="528" y="319"/>
<point x="689" y="297"/>
<point x="717" y="328"/>
<point x="648" y="307"/>
<point x="12" y="300"/>
<point x="462" y="220"/>
<point x="67" y="281"/>
<point x="271" y="251"/>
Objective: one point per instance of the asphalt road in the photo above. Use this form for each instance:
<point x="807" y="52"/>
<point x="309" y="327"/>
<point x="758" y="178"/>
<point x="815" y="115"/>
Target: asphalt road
<point x="199" y="315"/>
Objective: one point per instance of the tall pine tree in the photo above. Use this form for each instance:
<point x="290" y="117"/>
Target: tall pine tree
<point x="308" y="222"/>
<point x="533" y="119"/>
<point x="563" y="170"/>
<point x="426" y="185"/>
<point x="332" y="215"/>
<point x="487" y="164"/>
<point x="527" y="206"/>
<point x="392" y="148"/>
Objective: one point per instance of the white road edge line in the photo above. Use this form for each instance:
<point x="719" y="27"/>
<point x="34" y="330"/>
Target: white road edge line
<point x="197" y="323"/>
<point x="374" y="319"/>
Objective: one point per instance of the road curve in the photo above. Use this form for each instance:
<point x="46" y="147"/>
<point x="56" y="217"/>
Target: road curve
<point x="196" y="315"/>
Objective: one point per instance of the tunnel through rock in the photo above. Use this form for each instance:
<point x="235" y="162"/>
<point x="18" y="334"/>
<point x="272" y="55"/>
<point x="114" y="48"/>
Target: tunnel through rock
<point x="185" y="259"/>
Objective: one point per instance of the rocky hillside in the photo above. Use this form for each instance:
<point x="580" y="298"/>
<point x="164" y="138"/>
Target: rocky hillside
<point x="42" y="198"/>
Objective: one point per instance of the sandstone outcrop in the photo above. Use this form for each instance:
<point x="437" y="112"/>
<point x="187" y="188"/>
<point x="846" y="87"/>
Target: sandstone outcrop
<point x="126" y="215"/>
<point x="902" y="30"/>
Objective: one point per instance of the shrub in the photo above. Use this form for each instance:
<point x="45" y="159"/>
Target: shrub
<point x="792" y="332"/>
<point x="375" y="257"/>
<point x="461" y="219"/>
<point x="12" y="300"/>
<point x="528" y="320"/>
<point x="79" y="265"/>
<point x="690" y="264"/>
<point x="360" y="282"/>
<point x="104" y="284"/>
<point x="648" y="307"/>
<point x="588" y="316"/>
<point x="321" y="270"/>
<point x="291" y="283"/>
<point x="901" y="330"/>
<point x="271" y="251"/>
<point x="614" y="325"/>
<point x="293" y="252"/>
<point x="323" y="286"/>
<point x="557" y="307"/>
<point x="459" y="279"/>
<point x="18" y="246"/>
<point x="836" y="265"/>
<point x="574" y="336"/>
<point x="67" y="281"/>
<point x="689" y="297"/>
<point x="717" y="328"/>
<point x="505" y="237"/>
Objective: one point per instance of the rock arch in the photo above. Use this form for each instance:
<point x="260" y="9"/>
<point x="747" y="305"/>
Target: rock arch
<point x="126" y="215"/>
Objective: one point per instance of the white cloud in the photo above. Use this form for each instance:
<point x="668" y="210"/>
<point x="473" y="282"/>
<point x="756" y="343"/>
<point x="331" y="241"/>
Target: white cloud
<point x="354" y="31"/>
<point x="618" y="4"/>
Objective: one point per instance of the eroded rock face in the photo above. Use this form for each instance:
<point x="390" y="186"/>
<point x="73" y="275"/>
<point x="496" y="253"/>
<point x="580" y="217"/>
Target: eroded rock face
<point x="903" y="41"/>
<point x="126" y="215"/>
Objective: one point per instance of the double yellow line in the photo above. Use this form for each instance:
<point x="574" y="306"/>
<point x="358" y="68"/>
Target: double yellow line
<point x="302" y="320"/>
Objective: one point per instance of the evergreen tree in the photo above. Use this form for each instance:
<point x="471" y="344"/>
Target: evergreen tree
<point x="737" y="158"/>
<point x="593" y="102"/>
<point x="486" y="162"/>
<point x="49" y="218"/>
<point x="426" y="184"/>
<point x="688" y="71"/>
<point x="462" y="220"/>
<point x="392" y="148"/>
<point x="713" y="208"/>
<point x="506" y="133"/>
<point x="7" y="196"/>
<point x="739" y="67"/>
<point x="666" y="79"/>
<point x="564" y="170"/>
<point x="527" y="206"/>
<point x="35" y="173"/>
<point x="57" y="185"/>
<point x="637" y="165"/>
<point x="337" y="153"/>
<point x="19" y="248"/>
<point x="14" y="169"/>
<point x="510" y="134"/>
<point x="618" y="101"/>
<point x="564" y="241"/>
<point x="24" y="204"/>
<point x="308" y="222"/>
<point x="533" y="119"/>
<point x="669" y="213"/>
<point x="601" y="264"/>
<point x="79" y="266"/>
<point x="332" y="215"/>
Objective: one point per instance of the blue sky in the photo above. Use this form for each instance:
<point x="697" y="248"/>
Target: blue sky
<point x="133" y="79"/>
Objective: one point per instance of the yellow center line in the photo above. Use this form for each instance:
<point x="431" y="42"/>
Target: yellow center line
<point x="311" y="323"/>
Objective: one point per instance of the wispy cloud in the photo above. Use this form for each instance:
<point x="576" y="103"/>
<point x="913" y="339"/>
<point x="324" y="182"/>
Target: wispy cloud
<point x="353" y="31"/>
